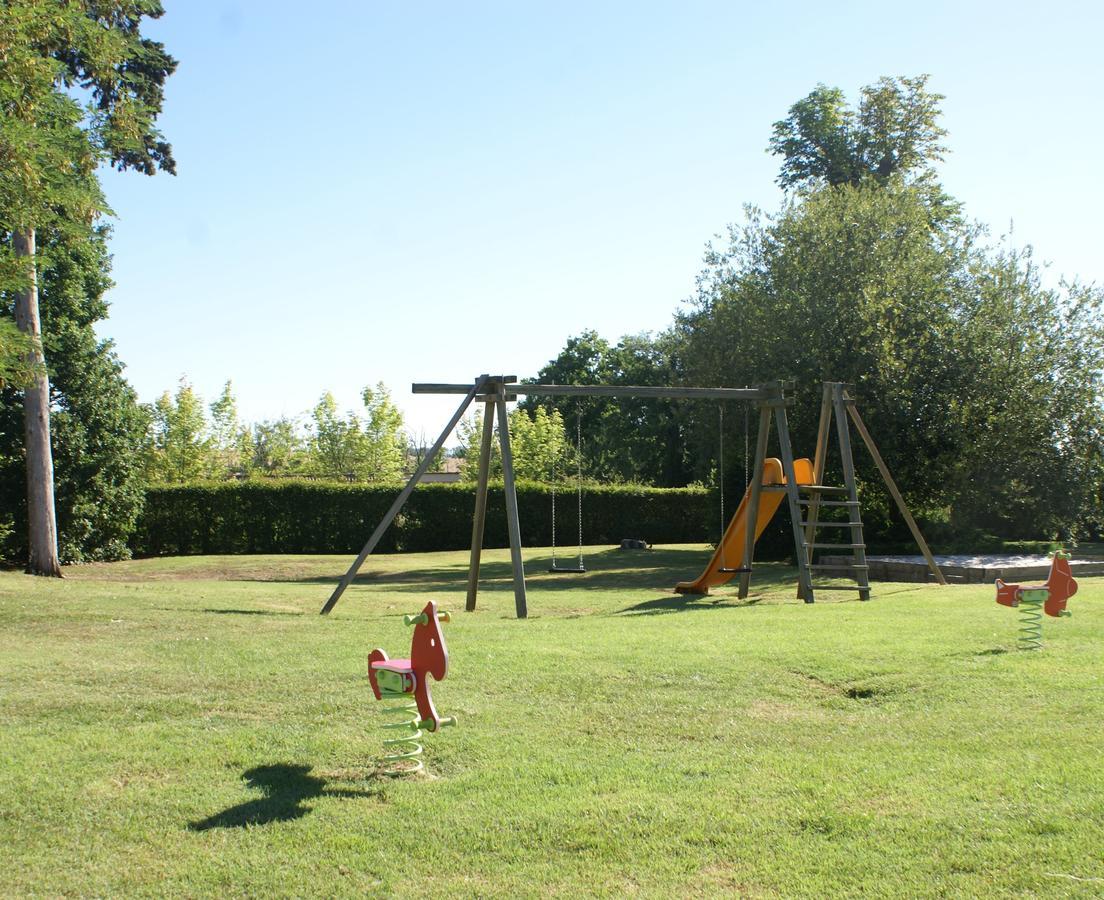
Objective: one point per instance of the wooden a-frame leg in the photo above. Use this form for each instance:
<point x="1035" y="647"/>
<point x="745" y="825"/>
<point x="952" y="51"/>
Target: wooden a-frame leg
<point x="820" y="463"/>
<point x="404" y="494"/>
<point x="480" y="518"/>
<point x="513" y="521"/>
<point x="786" y="448"/>
<point x="753" y="499"/>
<point x="896" y="494"/>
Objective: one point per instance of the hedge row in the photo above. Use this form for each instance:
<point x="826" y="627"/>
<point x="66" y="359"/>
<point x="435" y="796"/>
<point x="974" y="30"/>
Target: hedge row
<point x="302" y="517"/>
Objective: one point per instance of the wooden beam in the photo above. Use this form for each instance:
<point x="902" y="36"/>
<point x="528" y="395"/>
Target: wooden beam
<point x="765" y="413"/>
<point x="858" y="552"/>
<point x="389" y="517"/>
<point x="480" y="517"/>
<point x="513" y="521"/>
<point x="892" y="485"/>
<point x="786" y="448"/>
<point x="820" y="462"/>
<point x="613" y="390"/>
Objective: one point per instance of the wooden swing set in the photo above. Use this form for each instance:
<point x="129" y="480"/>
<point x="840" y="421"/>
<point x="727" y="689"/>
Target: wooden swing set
<point x="805" y="496"/>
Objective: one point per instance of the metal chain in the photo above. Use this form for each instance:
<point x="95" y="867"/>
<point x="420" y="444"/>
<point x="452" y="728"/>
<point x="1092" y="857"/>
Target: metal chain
<point x="720" y="479"/>
<point x="554" y="511"/>
<point x="579" y="473"/>
<point x="747" y="481"/>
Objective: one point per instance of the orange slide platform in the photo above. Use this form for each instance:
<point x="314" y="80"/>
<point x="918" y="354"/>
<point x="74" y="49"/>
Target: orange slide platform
<point x="730" y="552"/>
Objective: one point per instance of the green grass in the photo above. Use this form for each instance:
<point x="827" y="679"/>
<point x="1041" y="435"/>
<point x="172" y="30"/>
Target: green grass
<point x="193" y="727"/>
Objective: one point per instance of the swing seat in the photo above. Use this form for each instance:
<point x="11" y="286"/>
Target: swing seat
<point x="567" y="570"/>
<point x="739" y="571"/>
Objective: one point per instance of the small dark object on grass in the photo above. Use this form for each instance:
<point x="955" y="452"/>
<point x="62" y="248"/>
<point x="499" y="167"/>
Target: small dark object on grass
<point x="631" y="544"/>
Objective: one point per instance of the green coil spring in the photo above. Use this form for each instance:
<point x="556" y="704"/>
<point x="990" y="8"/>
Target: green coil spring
<point x="403" y="754"/>
<point x="1031" y="620"/>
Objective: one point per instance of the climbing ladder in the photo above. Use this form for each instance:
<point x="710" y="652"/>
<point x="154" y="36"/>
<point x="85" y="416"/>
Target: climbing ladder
<point x="840" y="536"/>
<point x="843" y="536"/>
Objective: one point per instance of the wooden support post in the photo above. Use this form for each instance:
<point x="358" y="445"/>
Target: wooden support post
<point x="761" y="439"/>
<point x="858" y="552"/>
<point x="892" y="486"/>
<point x="513" y="521"/>
<point x="820" y="465"/>
<point x="786" y="449"/>
<point x="404" y="494"/>
<point x="480" y="518"/>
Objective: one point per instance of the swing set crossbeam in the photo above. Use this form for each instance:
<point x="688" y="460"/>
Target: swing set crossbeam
<point x="611" y="390"/>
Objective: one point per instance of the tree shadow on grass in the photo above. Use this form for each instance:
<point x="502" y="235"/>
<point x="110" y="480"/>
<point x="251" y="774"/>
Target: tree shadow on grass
<point x="286" y="788"/>
<point x="610" y="569"/>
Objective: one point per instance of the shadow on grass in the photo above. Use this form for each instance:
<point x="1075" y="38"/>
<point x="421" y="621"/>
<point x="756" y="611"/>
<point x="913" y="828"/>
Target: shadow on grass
<point x="677" y="603"/>
<point x="610" y="569"/>
<point x="252" y="612"/>
<point x="286" y="787"/>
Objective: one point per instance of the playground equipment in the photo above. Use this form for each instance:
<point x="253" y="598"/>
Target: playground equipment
<point x="1034" y="599"/>
<point x="495" y="391"/>
<point x="802" y="485"/>
<point x="398" y="680"/>
<point x="732" y="544"/>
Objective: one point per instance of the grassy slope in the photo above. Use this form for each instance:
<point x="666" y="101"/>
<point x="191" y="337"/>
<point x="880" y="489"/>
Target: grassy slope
<point x="193" y="727"/>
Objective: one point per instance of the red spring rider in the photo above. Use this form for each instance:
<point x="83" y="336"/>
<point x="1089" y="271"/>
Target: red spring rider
<point x="1035" y="599"/>
<point x="402" y="679"/>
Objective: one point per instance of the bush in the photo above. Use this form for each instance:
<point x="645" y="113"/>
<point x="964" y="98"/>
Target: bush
<point x="311" y="517"/>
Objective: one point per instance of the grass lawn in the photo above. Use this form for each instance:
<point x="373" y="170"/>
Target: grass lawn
<point x="193" y="727"/>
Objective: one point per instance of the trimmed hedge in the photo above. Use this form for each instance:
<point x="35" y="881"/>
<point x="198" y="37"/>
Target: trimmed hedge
<point x="310" y="517"/>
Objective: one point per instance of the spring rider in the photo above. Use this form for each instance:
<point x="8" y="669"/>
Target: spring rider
<point x="1035" y="599"/>
<point x="399" y="680"/>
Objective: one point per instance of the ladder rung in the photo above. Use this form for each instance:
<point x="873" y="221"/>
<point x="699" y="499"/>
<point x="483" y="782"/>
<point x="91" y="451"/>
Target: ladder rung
<point x="827" y="566"/>
<point x="828" y="502"/>
<point x="832" y="524"/>
<point x="835" y="546"/>
<point x="822" y="488"/>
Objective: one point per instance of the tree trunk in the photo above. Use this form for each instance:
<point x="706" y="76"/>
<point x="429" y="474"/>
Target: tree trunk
<point x="43" y="558"/>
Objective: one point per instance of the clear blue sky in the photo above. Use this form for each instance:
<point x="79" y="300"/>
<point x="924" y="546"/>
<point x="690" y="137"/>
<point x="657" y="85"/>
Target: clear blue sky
<point x="400" y="192"/>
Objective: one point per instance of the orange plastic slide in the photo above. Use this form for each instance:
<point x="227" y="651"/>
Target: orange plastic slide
<point x="730" y="553"/>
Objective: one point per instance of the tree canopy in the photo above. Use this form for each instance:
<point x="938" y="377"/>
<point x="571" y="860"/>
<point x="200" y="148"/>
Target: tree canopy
<point x="894" y="132"/>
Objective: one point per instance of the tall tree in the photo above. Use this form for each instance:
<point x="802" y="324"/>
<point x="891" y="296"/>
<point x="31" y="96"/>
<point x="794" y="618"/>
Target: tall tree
<point x="894" y="132"/>
<point x="278" y="447"/>
<point x="983" y="387"/>
<point x="180" y="449"/>
<point x="625" y="439"/>
<point x="384" y="439"/>
<point x="97" y="427"/>
<point x="50" y="146"/>
<point x="231" y="442"/>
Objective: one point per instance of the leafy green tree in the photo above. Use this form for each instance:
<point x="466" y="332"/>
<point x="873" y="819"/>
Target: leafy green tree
<point x="98" y="427"/>
<point x="539" y="442"/>
<point x="16" y="350"/>
<point x="624" y="439"/>
<point x="384" y="439"/>
<point x="279" y="448"/>
<point x="959" y="357"/>
<point x="368" y="448"/>
<point x="180" y="448"/>
<point x="894" y="132"/>
<point x="338" y="444"/>
<point x="231" y="442"/>
<point x="50" y="146"/>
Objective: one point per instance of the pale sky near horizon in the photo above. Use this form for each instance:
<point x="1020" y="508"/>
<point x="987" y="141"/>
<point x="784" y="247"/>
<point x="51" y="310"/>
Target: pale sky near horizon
<point x="423" y="192"/>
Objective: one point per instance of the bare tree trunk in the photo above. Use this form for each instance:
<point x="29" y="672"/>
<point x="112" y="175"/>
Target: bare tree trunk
<point x="43" y="558"/>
